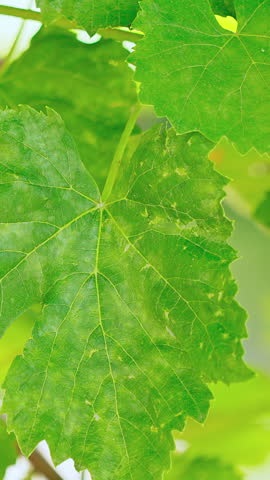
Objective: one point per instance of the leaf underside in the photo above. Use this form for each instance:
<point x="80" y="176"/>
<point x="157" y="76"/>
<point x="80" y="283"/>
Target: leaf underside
<point x="90" y="86"/>
<point x="204" y="78"/>
<point x="90" y="14"/>
<point x="138" y="300"/>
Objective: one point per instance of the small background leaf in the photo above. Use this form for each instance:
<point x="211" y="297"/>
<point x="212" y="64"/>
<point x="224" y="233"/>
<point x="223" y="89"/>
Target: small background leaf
<point x="250" y="179"/>
<point x="262" y="213"/>
<point x="204" y="468"/>
<point x="8" y="454"/>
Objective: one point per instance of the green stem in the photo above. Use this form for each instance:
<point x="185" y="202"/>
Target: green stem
<point x="114" y="33"/>
<point x="120" y="152"/>
<point x="120" y="34"/>
<point x="27" y="14"/>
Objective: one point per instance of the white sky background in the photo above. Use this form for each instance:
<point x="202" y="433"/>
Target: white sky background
<point x="9" y="27"/>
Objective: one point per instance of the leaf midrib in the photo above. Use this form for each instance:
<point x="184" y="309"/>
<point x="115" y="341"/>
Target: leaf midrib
<point x="105" y="343"/>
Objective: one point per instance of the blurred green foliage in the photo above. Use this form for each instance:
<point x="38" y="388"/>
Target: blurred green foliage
<point x="204" y="468"/>
<point x="238" y="424"/>
<point x="7" y="449"/>
<point x="237" y="430"/>
<point x="250" y="179"/>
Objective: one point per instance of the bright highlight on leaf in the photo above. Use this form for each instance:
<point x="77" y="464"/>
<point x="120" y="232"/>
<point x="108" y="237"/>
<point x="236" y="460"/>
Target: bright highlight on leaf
<point x="90" y="14"/>
<point x="205" y="78"/>
<point x="138" y="300"/>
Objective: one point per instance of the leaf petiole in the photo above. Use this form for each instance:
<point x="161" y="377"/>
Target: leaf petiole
<point x="120" y="150"/>
<point x="119" y="34"/>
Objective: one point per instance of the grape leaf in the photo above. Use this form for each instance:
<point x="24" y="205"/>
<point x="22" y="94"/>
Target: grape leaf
<point x="72" y="76"/>
<point x="90" y="14"/>
<point x="139" y="308"/>
<point x="202" y="77"/>
<point x="204" y="468"/>
<point x="7" y="449"/>
<point x="223" y="7"/>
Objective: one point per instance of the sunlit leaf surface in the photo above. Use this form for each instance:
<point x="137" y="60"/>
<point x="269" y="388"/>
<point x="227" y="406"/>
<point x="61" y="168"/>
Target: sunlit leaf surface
<point x="203" y="77"/>
<point x="138" y="299"/>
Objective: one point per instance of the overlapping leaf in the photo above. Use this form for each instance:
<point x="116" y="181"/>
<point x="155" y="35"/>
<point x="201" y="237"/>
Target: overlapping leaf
<point x="90" y="14"/>
<point x="89" y="85"/>
<point x="203" y="77"/>
<point x="139" y="306"/>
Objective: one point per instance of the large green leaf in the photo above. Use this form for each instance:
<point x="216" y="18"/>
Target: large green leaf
<point x="204" y="468"/>
<point x="89" y="85"/>
<point x="203" y="77"/>
<point x="90" y="14"/>
<point x="138" y="298"/>
<point x="7" y="449"/>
